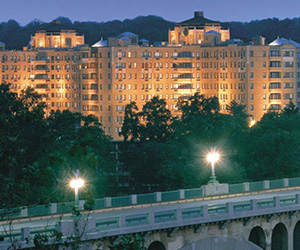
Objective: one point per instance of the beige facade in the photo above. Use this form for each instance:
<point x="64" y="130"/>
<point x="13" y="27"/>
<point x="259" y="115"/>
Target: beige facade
<point x="55" y="75"/>
<point x="56" y="36"/>
<point x="102" y="80"/>
<point x="193" y="31"/>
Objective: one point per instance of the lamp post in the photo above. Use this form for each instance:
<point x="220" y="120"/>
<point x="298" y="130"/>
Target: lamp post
<point x="212" y="158"/>
<point x="76" y="183"/>
<point x="252" y="123"/>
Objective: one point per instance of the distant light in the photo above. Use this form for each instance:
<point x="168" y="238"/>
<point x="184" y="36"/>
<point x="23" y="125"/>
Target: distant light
<point x="213" y="157"/>
<point x="252" y="123"/>
<point x="76" y="183"/>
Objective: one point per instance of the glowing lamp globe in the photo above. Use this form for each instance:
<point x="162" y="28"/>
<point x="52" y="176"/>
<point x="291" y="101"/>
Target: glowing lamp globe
<point x="76" y="183"/>
<point x="213" y="157"/>
<point x="252" y="123"/>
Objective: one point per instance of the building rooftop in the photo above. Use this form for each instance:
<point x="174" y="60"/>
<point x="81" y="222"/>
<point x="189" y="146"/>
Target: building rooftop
<point x="55" y="26"/>
<point x="143" y="40"/>
<point x="197" y="20"/>
<point x="100" y="43"/>
<point x="281" y="41"/>
<point x="212" y="32"/>
<point x="127" y="34"/>
<point x="125" y="38"/>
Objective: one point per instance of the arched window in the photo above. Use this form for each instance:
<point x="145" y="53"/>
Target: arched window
<point x="297" y="236"/>
<point x="156" y="245"/>
<point x="257" y="236"/>
<point x="279" y="237"/>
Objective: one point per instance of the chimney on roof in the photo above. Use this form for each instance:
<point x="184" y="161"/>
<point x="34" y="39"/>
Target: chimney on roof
<point x="198" y="14"/>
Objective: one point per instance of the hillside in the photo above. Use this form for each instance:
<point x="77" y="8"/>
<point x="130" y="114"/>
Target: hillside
<point x="153" y="28"/>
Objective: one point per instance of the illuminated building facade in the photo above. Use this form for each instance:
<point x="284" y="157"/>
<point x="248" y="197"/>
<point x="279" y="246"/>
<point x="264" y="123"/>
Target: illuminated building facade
<point x="192" y="31"/>
<point x="56" y="36"/>
<point x="103" y="78"/>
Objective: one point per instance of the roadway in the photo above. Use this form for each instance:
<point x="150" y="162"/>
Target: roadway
<point x="45" y="221"/>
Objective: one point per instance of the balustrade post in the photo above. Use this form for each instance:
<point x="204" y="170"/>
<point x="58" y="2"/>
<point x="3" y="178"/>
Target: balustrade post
<point x="133" y="199"/>
<point x="276" y="201"/>
<point x="205" y="211"/>
<point x="107" y="202"/>
<point x="158" y="196"/>
<point x="266" y="184"/>
<point x="53" y="208"/>
<point x="253" y="205"/>
<point x="181" y="194"/>
<point x="229" y="207"/>
<point x="246" y="186"/>
<point x="25" y="233"/>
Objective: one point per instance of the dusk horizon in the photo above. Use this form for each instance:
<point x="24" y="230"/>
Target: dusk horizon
<point x="103" y="11"/>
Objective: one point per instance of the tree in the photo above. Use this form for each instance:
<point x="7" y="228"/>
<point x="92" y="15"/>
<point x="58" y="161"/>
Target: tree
<point x="197" y="105"/>
<point x="271" y="150"/>
<point x="157" y="121"/>
<point x="238" y="110"/>
<point x="152" y="123"/>
<point x="75" y="146"/>
<point x="290" y="109"/>
<point x="174" y="159"/>
<point x="38" y="153"/>
<point x="131" y="124"/>
<point x="200" y="118"/>
<point x="128" y="242"/>
<point x="22" y="130"/>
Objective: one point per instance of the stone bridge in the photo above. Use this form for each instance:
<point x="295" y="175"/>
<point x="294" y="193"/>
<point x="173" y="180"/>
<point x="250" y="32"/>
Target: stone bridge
<point x="261" y="215"/>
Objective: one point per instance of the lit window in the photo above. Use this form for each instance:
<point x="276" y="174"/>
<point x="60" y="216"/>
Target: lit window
<point x="288" y="85"/>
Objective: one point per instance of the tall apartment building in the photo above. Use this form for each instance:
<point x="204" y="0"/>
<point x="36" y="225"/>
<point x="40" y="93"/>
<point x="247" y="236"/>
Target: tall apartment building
<point x="103" y="78"/>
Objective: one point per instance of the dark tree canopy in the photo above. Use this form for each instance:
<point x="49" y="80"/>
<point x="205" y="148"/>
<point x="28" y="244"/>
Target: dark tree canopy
<point x="152" y="123"/>
<point x="174" y="159"/>
<point x="39" y="153"/>
<point x="152" y="28"/>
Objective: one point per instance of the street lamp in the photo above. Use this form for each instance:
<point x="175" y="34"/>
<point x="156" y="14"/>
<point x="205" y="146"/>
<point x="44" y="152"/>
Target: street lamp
<point x="252" y="123"/>
<point x="76" y="183"/>
<point x="213" y="157"/>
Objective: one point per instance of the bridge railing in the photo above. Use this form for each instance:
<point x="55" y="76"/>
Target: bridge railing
<point x="157" y="218"/>
<point x="206" y="212"/>
<point x="130" y="200"/>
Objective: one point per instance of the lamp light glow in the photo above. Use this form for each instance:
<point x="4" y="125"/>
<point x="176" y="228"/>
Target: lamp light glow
<point x="213" y="157"/>
<point x="252" y="123"/>
<point x="77" y="183"/>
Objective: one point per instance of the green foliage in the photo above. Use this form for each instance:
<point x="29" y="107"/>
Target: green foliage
<point x="152" y="28"/>
<point x="269" y="28"/>
<point x="38" y="153"/>
<point x="22" y="128"/>
<point x="152" y="123"/>
<point x="271" y="149"/>
<point x="176" y="159"/>
<point x="128" y="242"/>
<point x="157" y="119"/>
<point x="268" y="150"/>
<point x="290" y="109"/>
<point x="199" y="117"/>
<point x="130" y="128"/>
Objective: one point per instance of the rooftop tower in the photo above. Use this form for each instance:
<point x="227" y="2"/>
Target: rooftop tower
<point x="192" y="31"/>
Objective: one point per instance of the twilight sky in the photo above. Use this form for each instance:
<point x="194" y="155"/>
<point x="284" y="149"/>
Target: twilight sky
<point x="24" y="11"/>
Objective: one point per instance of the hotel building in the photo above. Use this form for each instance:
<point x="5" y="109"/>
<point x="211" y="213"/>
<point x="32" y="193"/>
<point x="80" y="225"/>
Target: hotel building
<point x="199" y="57"/>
